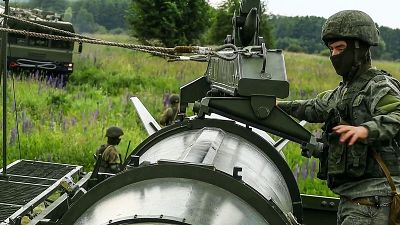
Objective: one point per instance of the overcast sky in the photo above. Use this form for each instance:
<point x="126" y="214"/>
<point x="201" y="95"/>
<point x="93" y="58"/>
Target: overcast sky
<point x="383" y="12"/>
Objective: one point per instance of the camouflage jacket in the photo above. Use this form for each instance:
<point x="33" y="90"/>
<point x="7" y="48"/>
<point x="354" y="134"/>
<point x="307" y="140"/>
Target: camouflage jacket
<point x="372" y="100"/>
<point x="110" y="159"/>
<point x="169" y="116"/>
<point x="376" y="106"/>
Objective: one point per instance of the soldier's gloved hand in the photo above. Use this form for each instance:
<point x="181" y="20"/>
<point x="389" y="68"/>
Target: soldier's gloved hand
<point x="351" y="134"/>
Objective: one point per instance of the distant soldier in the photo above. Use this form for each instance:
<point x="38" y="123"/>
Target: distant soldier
<point x="110" y="158"/>
<point x="169" y="115"/>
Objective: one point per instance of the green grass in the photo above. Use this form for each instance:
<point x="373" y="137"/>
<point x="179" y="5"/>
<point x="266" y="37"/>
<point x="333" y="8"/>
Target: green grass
<point x="68" y="125"/>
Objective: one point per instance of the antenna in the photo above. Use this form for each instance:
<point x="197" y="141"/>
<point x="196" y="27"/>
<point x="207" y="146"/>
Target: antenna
<point x="4" y="41"/>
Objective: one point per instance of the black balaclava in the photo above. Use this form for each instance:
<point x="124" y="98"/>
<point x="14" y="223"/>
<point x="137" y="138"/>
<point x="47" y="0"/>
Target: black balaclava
<point x="113" y="140"/>
<point x="353" y="60"/>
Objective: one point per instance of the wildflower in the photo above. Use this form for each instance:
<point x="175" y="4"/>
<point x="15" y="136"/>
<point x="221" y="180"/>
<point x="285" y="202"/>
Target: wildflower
<point x="73" y="121"/>
<point x="296" y="172"/>
<point x="13" y="136"/>
<point x="27" y="125"/>
<point x="313" y="167"/>
<point x="166" y="100"/>
<point x="304" y="170"/>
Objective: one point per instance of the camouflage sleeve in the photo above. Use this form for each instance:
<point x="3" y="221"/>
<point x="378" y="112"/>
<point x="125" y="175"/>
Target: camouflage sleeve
<point x="165" y="117"/>
<point x="312" y="110"/>
<point x="111" y="155"/>
<point x="385" y="107"/>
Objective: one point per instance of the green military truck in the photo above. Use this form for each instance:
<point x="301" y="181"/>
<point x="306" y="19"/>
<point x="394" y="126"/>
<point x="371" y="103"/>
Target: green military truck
<point x="44" y="57"/>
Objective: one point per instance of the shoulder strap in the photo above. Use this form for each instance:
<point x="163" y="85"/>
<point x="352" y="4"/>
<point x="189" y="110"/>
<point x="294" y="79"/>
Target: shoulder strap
<point x="383" y="166"/>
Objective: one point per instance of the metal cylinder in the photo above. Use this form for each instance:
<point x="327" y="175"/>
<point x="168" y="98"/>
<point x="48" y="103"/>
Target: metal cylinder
<point x="197" y="172"/>
<point x="173" y="193"/>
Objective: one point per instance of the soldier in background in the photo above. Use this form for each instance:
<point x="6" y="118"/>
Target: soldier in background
<point x="361" y="116"/>
<point x="169" y="115"/>
<point x="110" y="157"/>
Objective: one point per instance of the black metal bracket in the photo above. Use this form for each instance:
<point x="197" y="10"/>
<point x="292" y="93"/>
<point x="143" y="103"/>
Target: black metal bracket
<point x="257" y="111"/>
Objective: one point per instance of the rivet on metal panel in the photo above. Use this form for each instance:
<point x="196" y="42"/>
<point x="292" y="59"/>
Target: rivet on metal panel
<point x="262" y="112"/>
<point x="324" y="203"/>
<point x="331" y="204"/>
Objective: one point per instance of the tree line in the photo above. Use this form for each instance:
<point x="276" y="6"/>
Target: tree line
<point x="303" y="34"/>
<point x="192" y="22"/>
<point x="88" y="16"/>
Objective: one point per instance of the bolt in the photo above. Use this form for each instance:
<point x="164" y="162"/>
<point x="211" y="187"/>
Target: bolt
<point x="262" y="112"/>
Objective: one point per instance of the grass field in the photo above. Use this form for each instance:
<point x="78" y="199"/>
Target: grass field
<point x="67" y="125"/>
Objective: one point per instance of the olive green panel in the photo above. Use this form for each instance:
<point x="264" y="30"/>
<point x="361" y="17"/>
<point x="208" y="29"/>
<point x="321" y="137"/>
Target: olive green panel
<point x="40" y="53"/>
<point x="193" y="91"/>
<point x="319" y="209"/>
<point x="250" y="75"/>
<point x="266" y="116"/>
<point x="14" y="24"/>
<point x="247" y="5"/>
<point x="248" y="87"/>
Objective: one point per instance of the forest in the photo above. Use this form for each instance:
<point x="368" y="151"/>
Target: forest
<point x="172" y="23"/>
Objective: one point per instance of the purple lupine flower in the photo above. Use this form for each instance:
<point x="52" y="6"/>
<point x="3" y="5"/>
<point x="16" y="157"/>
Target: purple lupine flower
<point x="54" y="83"/>
<point x="37" y="73"/>
<point x="61" y="83"/>
<point x="296" y="172"/>
<point x="13" y="136"/>
<point x="93" y="116"/>
<point x="27" y="126"/>
<point x="73" y="121"/>
<point x="49" y="81"/>
<point x="64" y="125"/>
<point x="313" y="167"/>
<point x="166" y="100"/>
<point x="304" y="169"/>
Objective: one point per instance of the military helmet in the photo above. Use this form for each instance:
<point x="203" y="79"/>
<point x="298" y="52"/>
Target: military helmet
<point x="350" y="24"/>
<point x="114" y="132"/>
<point x="173" y="99"/>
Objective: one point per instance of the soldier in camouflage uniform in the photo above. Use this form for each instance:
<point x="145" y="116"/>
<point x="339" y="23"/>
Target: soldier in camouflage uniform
<point x="110" y="158"/>
<point x="169" y="115"/>
<point x="360" y="116"/>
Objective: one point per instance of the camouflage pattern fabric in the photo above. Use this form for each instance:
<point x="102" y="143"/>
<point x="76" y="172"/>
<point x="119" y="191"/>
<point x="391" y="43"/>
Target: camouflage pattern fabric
<point x="377" y="107"/>
<point x="380" y="98"/>
<point x="169" y="116"/>
<point x="350" y="213"/>
<point x="350" y="24"/>
<point x="110" y="160"/>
